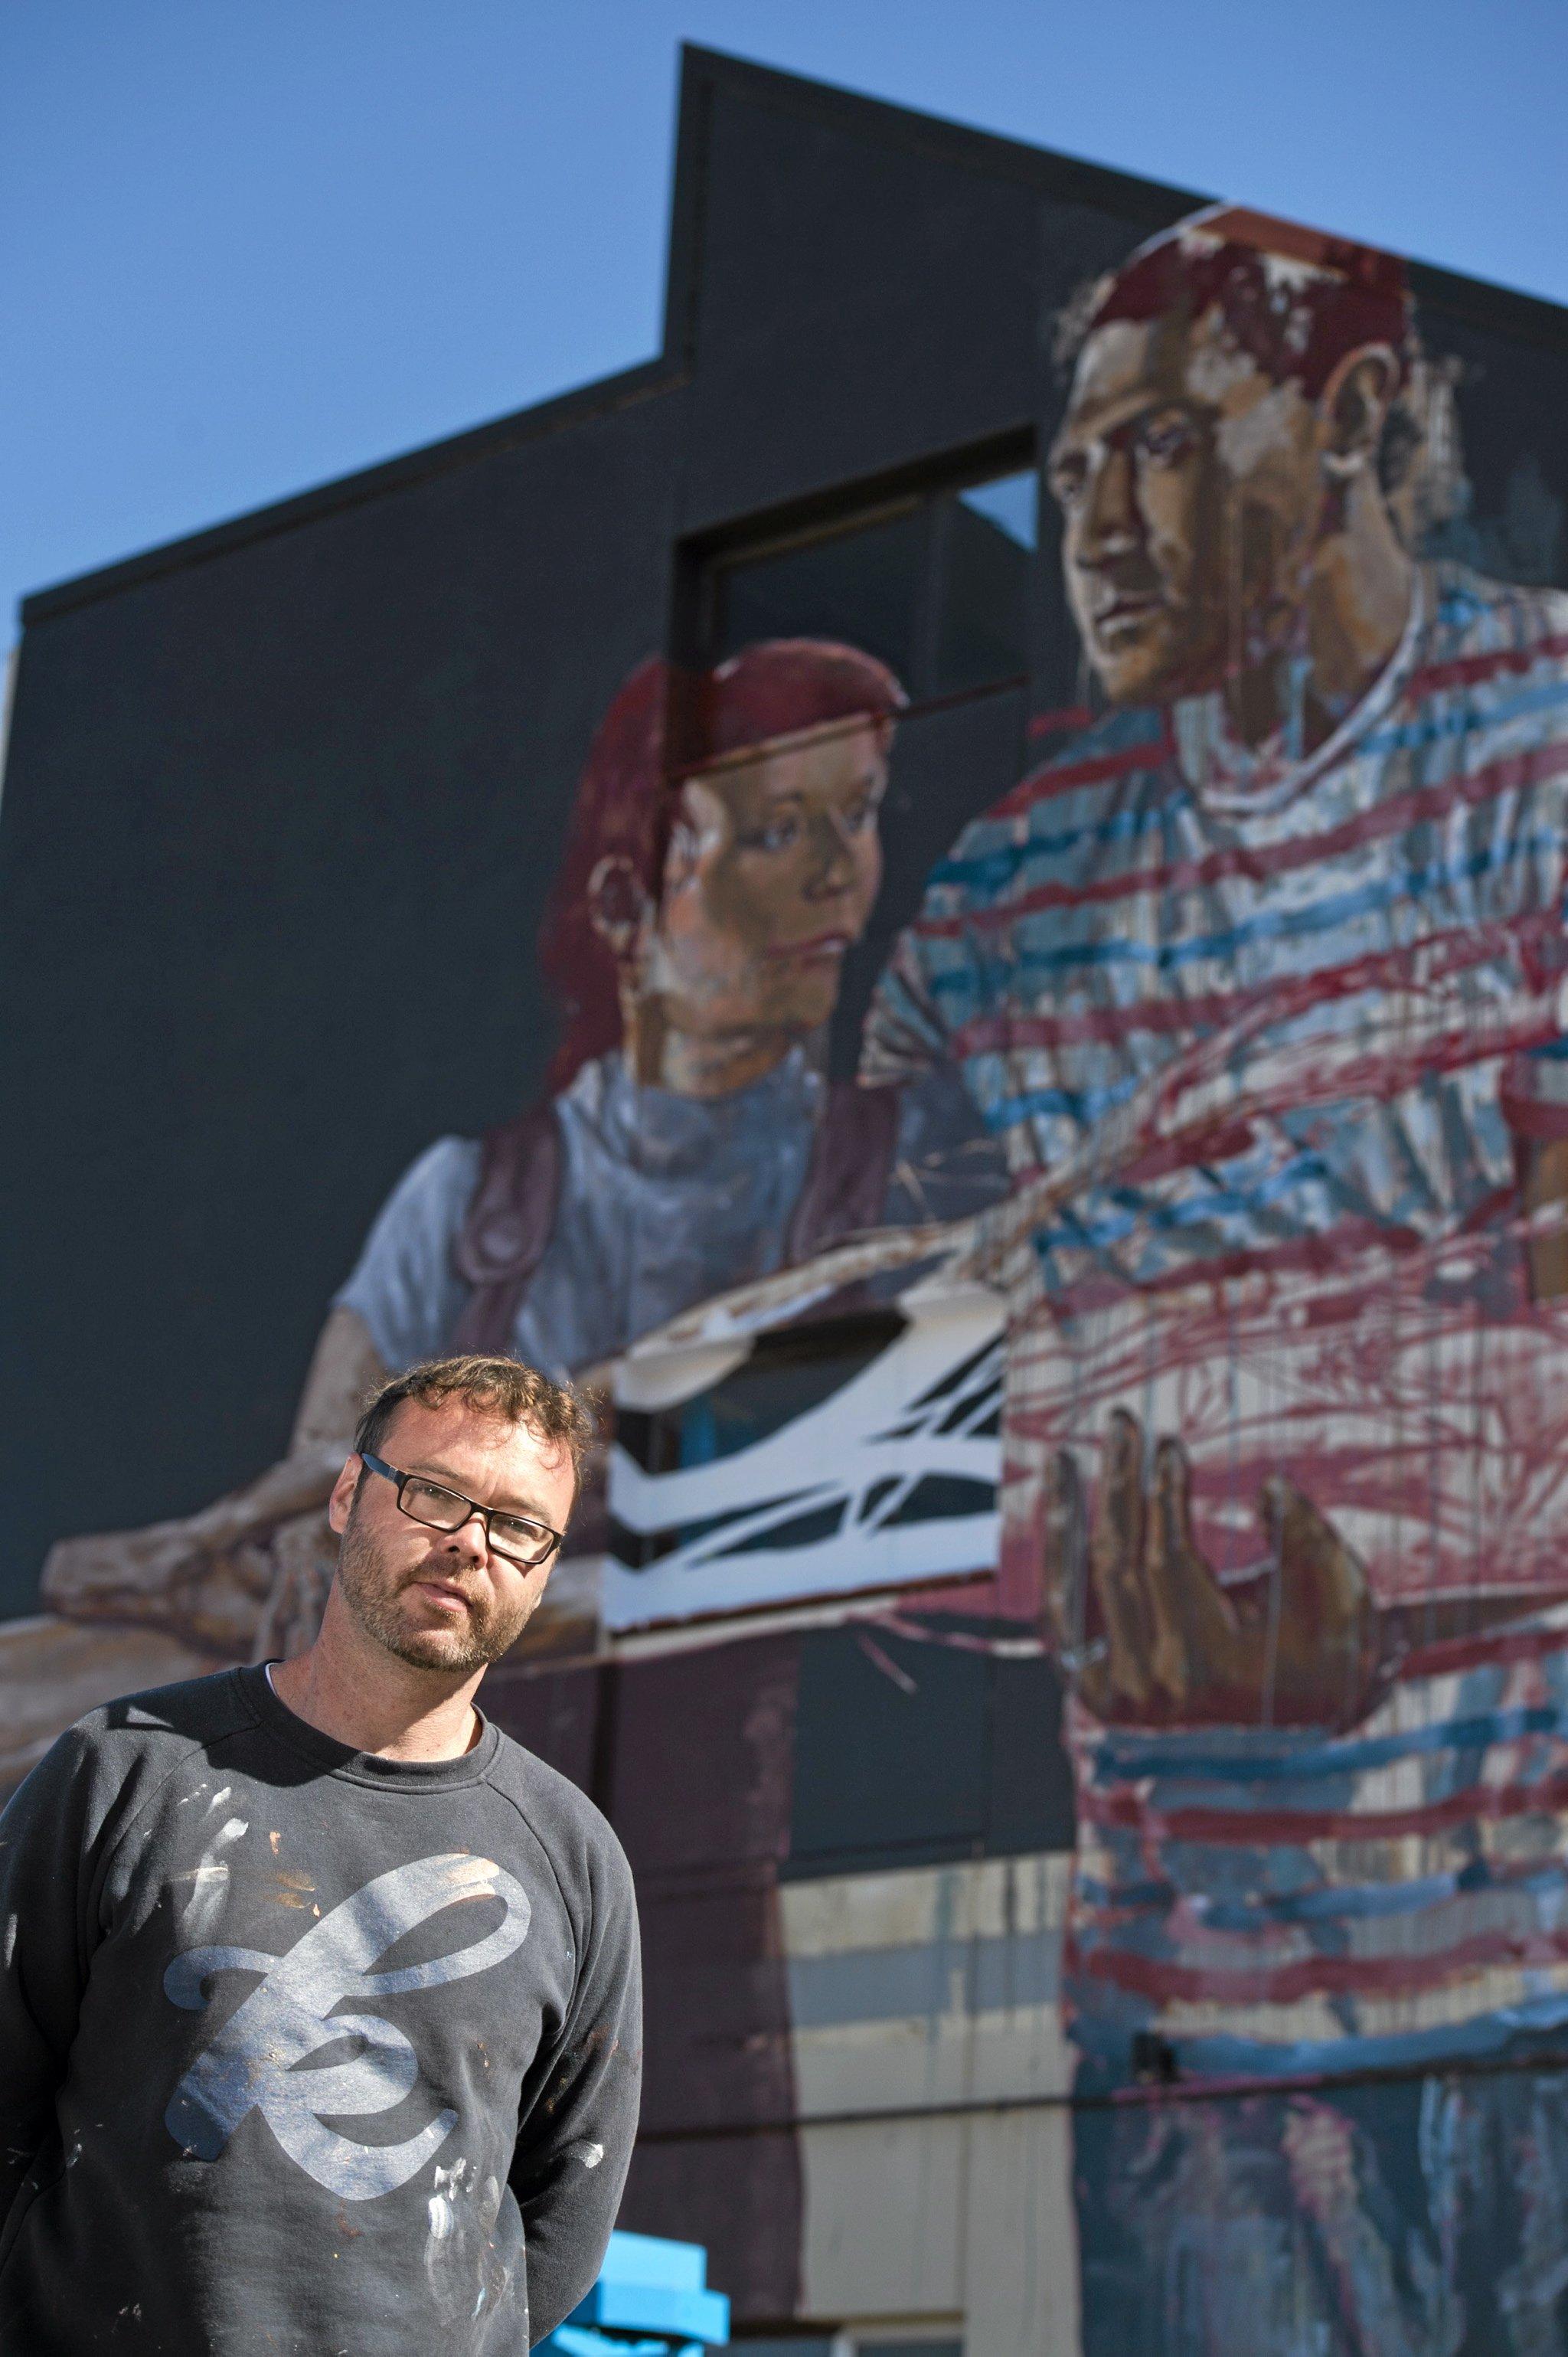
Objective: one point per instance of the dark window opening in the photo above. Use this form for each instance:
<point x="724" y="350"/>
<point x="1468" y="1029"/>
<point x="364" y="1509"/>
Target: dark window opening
<point x="788" y="1373"/>
<point x="910" y="1753"/>
<point x="936" y="585"/>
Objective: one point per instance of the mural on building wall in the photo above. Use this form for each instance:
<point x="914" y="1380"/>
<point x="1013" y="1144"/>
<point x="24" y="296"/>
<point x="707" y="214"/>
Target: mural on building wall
<point x="689" y="1139"/>
<point x="1285" y="1451"/>
<point x="1262" y="982"/>
<point x="1208" y="1175"/>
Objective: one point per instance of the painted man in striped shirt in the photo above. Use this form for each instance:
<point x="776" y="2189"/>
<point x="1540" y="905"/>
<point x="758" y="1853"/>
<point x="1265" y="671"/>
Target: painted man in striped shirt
<point x="1273" y="957"/>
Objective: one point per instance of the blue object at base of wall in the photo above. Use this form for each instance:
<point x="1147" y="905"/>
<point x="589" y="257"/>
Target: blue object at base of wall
<point x="651" y="2300"/>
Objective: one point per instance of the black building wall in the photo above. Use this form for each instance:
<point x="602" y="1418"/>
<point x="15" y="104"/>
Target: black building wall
<point x="282" y="801"/>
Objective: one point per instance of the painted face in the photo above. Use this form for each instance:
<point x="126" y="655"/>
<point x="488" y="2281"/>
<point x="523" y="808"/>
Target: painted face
<point x="772" y="871"/>
<point x="444" y="1599"/>
<point x="1190" y="488"/>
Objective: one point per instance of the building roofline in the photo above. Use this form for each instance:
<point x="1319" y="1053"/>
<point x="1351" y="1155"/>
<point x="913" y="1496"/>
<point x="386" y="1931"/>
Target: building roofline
<point x="601" y="398"/>
<point x="1534" y="318"/>
<point x="988" y="153"/>
<point x="1146" y="204"/>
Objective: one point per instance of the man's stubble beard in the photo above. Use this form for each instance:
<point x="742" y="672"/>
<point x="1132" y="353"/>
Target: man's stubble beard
<point x="374" y="1596"/>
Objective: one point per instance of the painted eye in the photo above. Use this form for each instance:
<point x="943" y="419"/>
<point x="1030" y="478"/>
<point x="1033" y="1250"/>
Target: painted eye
<point x="1167" y="440"/>
<point x="1066" y="477"/>
<point x="776" y="838"/>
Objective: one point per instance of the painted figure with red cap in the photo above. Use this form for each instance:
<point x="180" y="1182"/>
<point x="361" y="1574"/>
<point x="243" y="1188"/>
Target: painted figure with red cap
<point x="689" y="1138"/>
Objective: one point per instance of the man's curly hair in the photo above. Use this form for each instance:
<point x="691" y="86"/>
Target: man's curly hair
<point x="497" y="1387"/>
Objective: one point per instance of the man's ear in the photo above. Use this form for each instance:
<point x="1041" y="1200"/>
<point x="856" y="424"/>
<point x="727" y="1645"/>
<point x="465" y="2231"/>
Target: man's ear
<point x="1353" y="408"/>
<point x="618" y="905"/>
<point x="342" y="1498"/>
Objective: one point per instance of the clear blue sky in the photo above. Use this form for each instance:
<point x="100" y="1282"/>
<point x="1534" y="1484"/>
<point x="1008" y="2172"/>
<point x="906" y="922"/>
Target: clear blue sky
<point x="251" y="244"/>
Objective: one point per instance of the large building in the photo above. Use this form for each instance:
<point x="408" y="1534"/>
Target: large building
<point x="955" y="889"/>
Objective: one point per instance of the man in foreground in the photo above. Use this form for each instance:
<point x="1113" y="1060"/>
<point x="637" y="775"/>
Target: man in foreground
<point x="319" y="1997"/>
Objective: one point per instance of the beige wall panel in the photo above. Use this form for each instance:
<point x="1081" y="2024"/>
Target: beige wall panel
<point x="936" y="2218"/>
<point x="937" y="1985"/>
<point x="911" y="2065"/>
<point x="1021" y="2255"/>
<point x="883" y="2218"/>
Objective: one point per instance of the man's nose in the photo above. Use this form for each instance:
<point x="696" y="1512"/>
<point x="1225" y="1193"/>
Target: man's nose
<point x="468" y="1540"/>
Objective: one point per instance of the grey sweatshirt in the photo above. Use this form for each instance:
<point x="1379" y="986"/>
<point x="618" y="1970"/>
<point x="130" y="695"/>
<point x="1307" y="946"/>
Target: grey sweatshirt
<point x="305" y="2051"/>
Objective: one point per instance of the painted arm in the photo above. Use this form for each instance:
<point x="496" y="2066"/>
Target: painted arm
<point x="207" y="1575"/>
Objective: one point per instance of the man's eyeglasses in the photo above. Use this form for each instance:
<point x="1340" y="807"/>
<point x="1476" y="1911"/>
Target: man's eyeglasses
<point x="517" y="1537"/>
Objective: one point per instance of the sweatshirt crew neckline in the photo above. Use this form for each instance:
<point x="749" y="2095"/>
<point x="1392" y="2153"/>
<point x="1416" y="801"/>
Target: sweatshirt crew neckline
<point x="254" y="1688"/>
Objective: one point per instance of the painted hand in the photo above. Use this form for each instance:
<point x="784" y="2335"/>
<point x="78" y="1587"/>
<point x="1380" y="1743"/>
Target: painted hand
<point x="1154" y="1639"/>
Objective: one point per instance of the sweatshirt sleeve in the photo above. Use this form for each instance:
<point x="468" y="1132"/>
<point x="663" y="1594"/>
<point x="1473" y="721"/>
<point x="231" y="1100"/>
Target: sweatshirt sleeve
<point x="43" y="1961"/>
<point x="580" y="2106"/>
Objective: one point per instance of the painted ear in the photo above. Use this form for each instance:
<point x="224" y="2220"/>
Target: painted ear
<point x="1353" y="407"/>
<point x="618" y="905"/>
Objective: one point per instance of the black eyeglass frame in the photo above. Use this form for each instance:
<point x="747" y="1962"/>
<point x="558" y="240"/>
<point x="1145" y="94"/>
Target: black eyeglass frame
<point x="401" y="1480"/>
